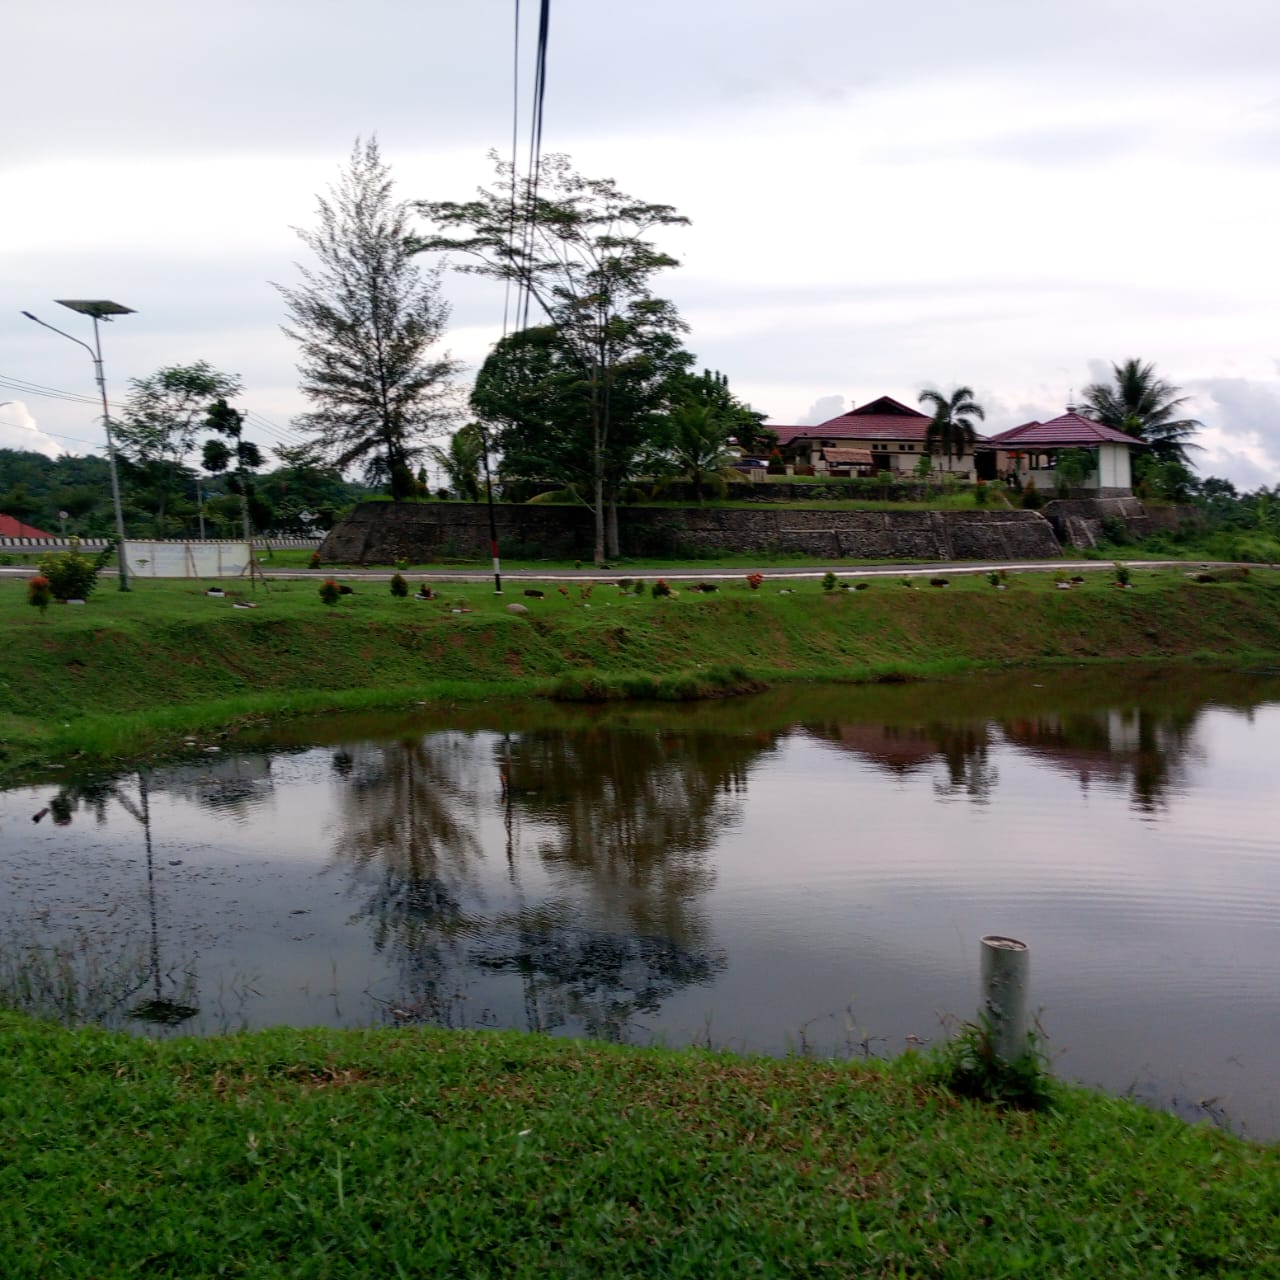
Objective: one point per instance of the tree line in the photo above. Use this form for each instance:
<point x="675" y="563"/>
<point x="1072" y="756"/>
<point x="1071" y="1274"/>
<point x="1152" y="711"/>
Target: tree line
<point x="597" y="391"/>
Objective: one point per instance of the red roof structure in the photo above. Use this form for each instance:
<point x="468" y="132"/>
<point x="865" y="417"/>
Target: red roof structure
<point x="11" y="528"/>
<point x="1068" y="430"/>
<point x="881" y="419"/>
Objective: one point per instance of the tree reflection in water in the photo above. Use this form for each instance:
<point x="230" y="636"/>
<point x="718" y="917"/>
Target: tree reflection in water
<point x="620" y="825"/>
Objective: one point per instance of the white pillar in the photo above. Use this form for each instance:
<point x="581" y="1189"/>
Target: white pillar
<point x="1004" y="995"/>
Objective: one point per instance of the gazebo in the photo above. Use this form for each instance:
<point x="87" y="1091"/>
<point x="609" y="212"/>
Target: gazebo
<point x="1031" y="453"/>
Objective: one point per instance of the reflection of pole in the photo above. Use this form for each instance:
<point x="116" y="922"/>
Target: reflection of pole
<point x="151" y="885"/>
<point x="1004" y="996"/>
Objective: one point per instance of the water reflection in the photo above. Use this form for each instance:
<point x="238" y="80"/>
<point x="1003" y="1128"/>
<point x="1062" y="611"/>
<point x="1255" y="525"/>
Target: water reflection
<point x="758" y="863"/>
<point x="619" y="827"/>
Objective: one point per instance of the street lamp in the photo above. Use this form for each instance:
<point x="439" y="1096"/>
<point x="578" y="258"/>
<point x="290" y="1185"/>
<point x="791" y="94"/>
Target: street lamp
<point x="100" y="309"/>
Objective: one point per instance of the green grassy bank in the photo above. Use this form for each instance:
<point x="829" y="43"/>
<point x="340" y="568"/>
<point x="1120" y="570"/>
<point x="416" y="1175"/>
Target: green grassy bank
<point x="471" y="1154"/>
<point x="132" y="674"/>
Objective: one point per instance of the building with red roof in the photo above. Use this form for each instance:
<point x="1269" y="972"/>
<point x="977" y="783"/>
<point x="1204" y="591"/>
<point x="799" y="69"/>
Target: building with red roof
<point x="1031" y="452"/>
<point x="11" y="528"/>
<point x="882" y="435"/>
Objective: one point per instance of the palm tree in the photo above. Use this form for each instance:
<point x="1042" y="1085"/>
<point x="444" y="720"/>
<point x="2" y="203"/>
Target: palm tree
<point x="699" y="448"/>
<point x="1146" y="407"/>
<point x="952" y="431"/>
<point x="461" y="461"/>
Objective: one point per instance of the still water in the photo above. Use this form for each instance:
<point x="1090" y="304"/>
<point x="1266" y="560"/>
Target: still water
<point x="806" y="869"/>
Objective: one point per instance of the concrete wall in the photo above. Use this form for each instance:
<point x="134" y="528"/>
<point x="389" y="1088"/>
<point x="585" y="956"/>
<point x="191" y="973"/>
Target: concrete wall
<point x="383" y="532"/>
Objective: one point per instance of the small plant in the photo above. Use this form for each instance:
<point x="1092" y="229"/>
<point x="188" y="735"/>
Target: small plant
<point x="399" y="587"/>
<point x="980" y="494"/>
<point x="585" y="592"/>
<point x="639" y="586"/>
<point x="402" y="563"/>
<point x="1030" y="500"/>
<point x="39" y="593"/>
<point x="754" y="580"/>
<point x="71" y="575"/>
<point x="314" y="562"/>
<point x="906" y="582"/>
<point x="994" y="578"/>
<point x="564" y="591"/>
<point x="968" y="1066"/>
<point x="660" y="589"/>
<point x="828" y="581"/>
<point x="330" y="591"/>
<point x="1124" y="575"/>
<point x="424" y="592"/>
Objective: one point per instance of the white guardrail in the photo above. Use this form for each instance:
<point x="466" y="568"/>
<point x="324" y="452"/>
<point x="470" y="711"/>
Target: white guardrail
<point x="96" y="544"/>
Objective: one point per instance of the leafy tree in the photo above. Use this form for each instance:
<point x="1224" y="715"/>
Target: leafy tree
<point x="162" y="416"/>
<point x="239" y="454"/>
<point x="581" y="250"/>
<point x="533" y="390"/>
<point x="365" y="320"/>
<point x="951" y="431"/>
<point x="743" y="424"/>
<point x="34" y="488"/>
<point x="1147" y="407"/>
<point x="461" y="461"/>
<point x="1074" y="467"/>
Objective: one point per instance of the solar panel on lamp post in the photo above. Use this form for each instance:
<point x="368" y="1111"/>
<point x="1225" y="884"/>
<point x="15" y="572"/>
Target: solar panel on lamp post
<point x="100" y="309"/>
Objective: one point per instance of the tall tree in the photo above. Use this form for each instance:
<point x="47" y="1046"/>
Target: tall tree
<point x="162" y="416"/>
<point x="365" y="320"/>
<point x="951" y="431"/>
<point x="581" y="250"/>
<point x="742" y="423"/>
<point x="1147" y="407"/>
<point x="533" y="391"/>
<point x="229" y="451"/>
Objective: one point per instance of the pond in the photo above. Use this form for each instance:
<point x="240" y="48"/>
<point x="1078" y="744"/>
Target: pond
<point x="808" y="869"/>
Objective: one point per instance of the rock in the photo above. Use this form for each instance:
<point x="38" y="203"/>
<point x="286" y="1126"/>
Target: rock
<point x="516" y="608"/>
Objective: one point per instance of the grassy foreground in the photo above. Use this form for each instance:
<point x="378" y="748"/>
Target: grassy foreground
<point x="427" y="1153"/>
<point x="132" y="674"/>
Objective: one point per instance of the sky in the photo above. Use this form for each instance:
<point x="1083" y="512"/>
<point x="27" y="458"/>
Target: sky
<point x="1004" y="195"/>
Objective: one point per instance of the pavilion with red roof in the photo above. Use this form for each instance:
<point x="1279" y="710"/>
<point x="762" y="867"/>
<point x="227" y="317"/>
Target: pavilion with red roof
<point x="1031" y="452"/>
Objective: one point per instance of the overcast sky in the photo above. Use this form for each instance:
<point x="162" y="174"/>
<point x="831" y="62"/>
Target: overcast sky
<point x="1007" y="194"/>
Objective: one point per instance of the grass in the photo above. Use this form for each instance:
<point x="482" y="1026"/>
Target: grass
<point x="132" y="674"/>
<point x="419" y="1152"/>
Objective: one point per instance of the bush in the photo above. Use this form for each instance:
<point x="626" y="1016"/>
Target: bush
<point x="38" y="592"/>
<point x="1031" y="499"/>
<point x="828" y="581"/>
<point x="660" y="589"/>
<point x="980" y="494"/>
<point x="1123" y="575"/>
<point x="72" y="575"/>
<point x="314" y="562"/>
<point x="399" y="587"/>
<point x="754" y="580"/>
<point x="330" y="591"/>
<point x="968" y="1067"/>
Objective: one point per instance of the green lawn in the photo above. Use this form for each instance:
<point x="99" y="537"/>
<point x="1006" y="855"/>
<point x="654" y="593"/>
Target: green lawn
<point x="428" y="1153"/>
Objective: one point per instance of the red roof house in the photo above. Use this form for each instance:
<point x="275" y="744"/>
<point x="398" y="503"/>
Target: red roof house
<point x="11" y="528"/>
<point x="890" y="431"/>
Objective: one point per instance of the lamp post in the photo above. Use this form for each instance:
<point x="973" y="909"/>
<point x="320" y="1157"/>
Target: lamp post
<point x="100" y="309"/>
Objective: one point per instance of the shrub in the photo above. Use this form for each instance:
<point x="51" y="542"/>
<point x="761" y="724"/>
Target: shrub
<point x="314" y="562"/>
<point x="1123" y="574"/>
<point x="660" y="589"/>
<point x="330" y="591"/>
<point x="38" y="592"/>
<point x="399" y="587"/>
<point x="967" y="1066"/>
<point x="994" y="578"/>
<point x="828" y="581"/>
<point x="754" y="580"/>
<point x="980" y="494"/>
<point x="1031" y="500"/>
<point x="72" y="575"/>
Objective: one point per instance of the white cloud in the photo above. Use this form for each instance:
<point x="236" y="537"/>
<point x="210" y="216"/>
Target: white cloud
<point x="18" y="430"/>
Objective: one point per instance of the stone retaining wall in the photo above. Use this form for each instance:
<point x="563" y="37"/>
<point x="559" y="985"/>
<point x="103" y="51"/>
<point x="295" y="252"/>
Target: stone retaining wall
<point x="384" y="532"/>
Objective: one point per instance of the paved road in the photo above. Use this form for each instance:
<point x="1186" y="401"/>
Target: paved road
<point x="684" y="573"/>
